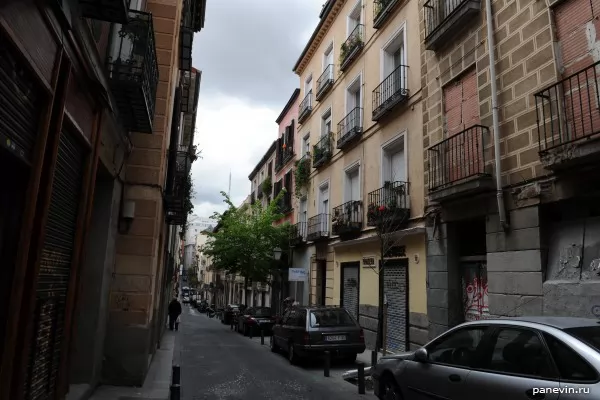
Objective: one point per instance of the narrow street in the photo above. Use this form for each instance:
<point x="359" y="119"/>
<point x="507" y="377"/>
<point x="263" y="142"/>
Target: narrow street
<point x="218" y="363"/>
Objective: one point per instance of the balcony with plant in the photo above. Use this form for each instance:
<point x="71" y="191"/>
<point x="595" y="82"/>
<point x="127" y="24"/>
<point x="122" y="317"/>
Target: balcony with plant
<point x="298" y="234"/>
<point x="302" y="174"/>
<point x="389" y="206"/>
<point x="382" y="10"/>
<point x="323" y="151"/>
<point x="351" y="48"/>
<point x="347" y="220"/>
<point x="444" y="19"/>
<point x="267" y="186"/>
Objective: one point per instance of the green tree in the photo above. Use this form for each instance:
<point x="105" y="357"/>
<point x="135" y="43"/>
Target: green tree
<point x="245" y="237"/>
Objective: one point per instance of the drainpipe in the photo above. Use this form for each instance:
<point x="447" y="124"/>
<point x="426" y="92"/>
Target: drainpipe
<point x="495" y="122"/>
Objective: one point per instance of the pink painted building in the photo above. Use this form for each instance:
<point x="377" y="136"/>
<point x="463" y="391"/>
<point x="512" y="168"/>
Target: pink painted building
<point x="285" y="155"/>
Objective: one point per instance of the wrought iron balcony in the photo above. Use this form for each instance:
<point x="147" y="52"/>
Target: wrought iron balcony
<point x="457" y="165"/>
<point x="298" y="234"/>
<point x="186" y="40"/>
<point x="305" y="107"/>
<point x="285" y="155"/>
<point x="350" y="128"/>
<point x="322" y="151"/>
<point x="347" y="219"/>
<point x="445" y="18"/>
<point x="325" y="82"/>
<point x="105" y="10"/>
<point x="178" y="186"/>
<point x="317" y="228"/>
<point x="133" y="72"/>
<point x="391" y="92"/>
<point x="389" y="207"/>
<point x="382" y="9"/>
<point x="568" y="120"/>
<point x="351" y="48"/>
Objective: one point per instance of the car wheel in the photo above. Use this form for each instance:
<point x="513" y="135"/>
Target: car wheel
<point x="292" y="356"/>
<point x="389" y="389"/>
<point x="273" y="345"/>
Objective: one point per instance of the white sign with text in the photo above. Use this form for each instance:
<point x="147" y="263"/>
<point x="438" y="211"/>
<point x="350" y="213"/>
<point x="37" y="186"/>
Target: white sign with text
<point x="298" y="275"/>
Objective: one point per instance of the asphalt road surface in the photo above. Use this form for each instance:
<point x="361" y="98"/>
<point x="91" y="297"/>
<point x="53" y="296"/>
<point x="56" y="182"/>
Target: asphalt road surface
<point x="218" y="363"/>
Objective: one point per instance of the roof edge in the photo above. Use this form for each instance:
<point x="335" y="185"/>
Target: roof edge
<point x="263" y="160"/>
<point x="288" y="105"/>
<point x="323" y="15"/>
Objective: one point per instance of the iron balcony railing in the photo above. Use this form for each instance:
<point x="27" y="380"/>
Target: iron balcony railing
<point x="108" y="10"/>
<point x="178" y="186"/>
<point x="458" y="158"/>
<point x="133" y="72"/>
<point x="325" y="82"/>
<point x="317" y="227"/>
<point x="347" y="218"/>
<point x="305" y="107"/>
<point x="322" y="151"/>
<point x="445" y="16"/>
<point x="350" y="127"/>
<point x="390" y="92"/>
<point x="381" y="11"/>
<point x="285" y="203"/>
<point x="352" y="46"/>
<point x="389" y="206"/>
<point x="285" y="155"/>
<point x="298" y="233"/>
<point x="568" y="111"/>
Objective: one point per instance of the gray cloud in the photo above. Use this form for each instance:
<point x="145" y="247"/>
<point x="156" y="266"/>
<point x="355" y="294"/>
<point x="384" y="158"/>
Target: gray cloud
<point x="248" y="48"/>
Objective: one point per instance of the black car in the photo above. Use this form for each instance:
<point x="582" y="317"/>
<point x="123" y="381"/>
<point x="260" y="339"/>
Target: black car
<point x="227" y="314"/>
<point x="255" y="319"/>
<point x="305" y="332"/>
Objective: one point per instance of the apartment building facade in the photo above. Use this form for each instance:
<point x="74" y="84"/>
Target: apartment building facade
<point x="361" y="115"/>
<point x="87" y="87"/>
<point x="511" y="195"/>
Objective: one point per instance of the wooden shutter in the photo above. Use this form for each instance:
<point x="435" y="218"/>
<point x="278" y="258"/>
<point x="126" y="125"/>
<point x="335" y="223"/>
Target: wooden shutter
<point x="290" y="138"/>
<point x="55" y="270"/>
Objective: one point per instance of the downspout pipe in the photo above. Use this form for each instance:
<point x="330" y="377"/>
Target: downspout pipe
<point x="495" y="119"/>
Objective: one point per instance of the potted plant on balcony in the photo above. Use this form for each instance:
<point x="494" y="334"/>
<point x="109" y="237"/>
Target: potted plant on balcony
<point x="301" y="175"/>
<point x="267" y="185"/>
<point x="318" y="153"/>
<point x="348" y="47"/>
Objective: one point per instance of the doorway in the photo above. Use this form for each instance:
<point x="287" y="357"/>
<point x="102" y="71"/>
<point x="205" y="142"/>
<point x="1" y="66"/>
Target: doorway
<point x="350" y="290"/>
<point x="396" y="294"/>
<point x="321" y="282"/>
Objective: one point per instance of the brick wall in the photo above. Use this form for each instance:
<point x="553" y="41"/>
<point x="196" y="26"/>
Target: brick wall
<point x="525" y="64"/>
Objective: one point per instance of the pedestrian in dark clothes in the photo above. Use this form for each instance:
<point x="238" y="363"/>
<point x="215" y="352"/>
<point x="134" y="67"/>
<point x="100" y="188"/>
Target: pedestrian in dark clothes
<point x="174" y="313"/>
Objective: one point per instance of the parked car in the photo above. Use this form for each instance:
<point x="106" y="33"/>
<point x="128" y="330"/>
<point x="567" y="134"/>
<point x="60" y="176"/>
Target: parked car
<point x="255" y="319"/>
<point x="227" y="314"/>
<point x="306" y="332"/>
<point x="518" y="358"/>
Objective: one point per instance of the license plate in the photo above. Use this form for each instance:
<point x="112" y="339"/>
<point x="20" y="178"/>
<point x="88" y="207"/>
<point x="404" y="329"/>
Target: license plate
<point x="335" y="338"/>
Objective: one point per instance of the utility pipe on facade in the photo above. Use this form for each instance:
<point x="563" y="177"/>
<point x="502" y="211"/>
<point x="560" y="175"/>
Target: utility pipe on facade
<point x="495" y="122"/>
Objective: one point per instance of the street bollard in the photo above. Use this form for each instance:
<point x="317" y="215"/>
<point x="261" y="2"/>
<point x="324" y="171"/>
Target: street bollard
<point x="262" y="336"/>
<point x="327" y="364"/>
<point x="361" y="378"/>
<point x="373" y="357"/>
<point x="176" y="375"/>
<point x="175" y="392"/>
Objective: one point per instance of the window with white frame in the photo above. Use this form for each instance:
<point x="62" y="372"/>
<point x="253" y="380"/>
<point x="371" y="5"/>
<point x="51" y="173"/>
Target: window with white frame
<point x="308" y="85"/>
<point x="393" y="159"/>
<point x="354" y="18"/>
<point x="324" y="207"/>
<point x="328" y="60"/>
<point x="352" y="184"/>
<point x="303" y="210"/>
<point x="326" y="123"/>
<point x="306" y="144"/>
<point x="354" y="95"/>
<point x="393" y="57"/>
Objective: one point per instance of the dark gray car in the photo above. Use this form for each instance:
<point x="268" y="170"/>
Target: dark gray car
<point x="518" y="359"/>
<point x="305" y="332"/>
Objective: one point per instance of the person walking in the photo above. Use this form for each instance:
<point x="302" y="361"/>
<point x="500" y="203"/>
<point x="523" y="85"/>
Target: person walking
<point x="174" y="313"/>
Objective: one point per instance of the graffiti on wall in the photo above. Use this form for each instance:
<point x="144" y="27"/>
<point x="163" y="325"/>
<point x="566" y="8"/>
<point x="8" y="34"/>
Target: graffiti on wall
<point x="475" y="292"/>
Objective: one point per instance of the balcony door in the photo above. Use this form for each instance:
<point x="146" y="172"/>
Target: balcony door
<point x="326" y="123"/>
<point x="328" y="60"/>
<point x="352" y="189"/>
<point x="324" y="207"/>
<point x="307" y="85"/>
<point x="394" y="162"/>
<point x="394" y="55"/>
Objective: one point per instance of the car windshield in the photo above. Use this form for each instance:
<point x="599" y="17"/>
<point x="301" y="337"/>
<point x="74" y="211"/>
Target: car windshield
<point x="262" y="312"/>
<point x="589" y="335"/>
<point x="338" y="317"/>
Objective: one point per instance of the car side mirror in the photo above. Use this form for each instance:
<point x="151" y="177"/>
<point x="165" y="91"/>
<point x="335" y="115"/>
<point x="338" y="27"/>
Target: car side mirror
<point x="421" y="355"/>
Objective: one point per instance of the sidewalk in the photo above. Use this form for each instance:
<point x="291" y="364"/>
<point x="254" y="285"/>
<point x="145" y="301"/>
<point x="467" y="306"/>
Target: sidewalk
<point x="158" y="380"/>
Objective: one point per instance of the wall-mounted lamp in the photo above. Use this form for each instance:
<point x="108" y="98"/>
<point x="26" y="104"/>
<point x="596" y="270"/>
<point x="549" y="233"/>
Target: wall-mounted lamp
<point x="127" y="216"/>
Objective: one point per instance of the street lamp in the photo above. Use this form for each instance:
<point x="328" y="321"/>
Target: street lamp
<point x="277" y="254"/>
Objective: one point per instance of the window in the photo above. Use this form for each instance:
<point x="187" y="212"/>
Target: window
<point x="333" y="317"/>
<point x="458" y="348"/>
<point x="352" y="184"/>
<point x="328" y="60"/>
<point x="306" y="144"/>
<point x="326" y="123"/>
<point x="461" y="104"/>
<point x="521" y="352"/>
<point x="393" y="160"/>
<point x="300" y="319"/>
<point x="570" y="364"/>
<point x="354" y="18"/>
<point x="324" y="199"/>
<point x="354" y="95"/>
<point x="393" y="56"/>
<point x="303" y="215"/>
<point x="307" y="85"/>
<point x="589" y="335"/>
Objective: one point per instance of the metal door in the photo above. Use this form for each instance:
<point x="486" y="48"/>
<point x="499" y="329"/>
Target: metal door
<point x="55" y="270"/>
<point x="475" y="290"/>
<point x="350" y="287"/>
<point x="396" y="294"/>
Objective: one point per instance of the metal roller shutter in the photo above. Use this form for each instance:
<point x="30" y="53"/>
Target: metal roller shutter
<point x="350" y="289"/>
<point x="20" y="104"/>
<point x="396" y="292"/>
<point x="55" y="269"/>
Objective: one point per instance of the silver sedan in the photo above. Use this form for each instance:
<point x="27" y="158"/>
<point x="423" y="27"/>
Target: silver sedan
<point x="526" y="358"/>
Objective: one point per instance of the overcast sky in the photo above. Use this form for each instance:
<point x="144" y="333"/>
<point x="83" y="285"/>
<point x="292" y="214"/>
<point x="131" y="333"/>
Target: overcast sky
<point x="246" y="52"/>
